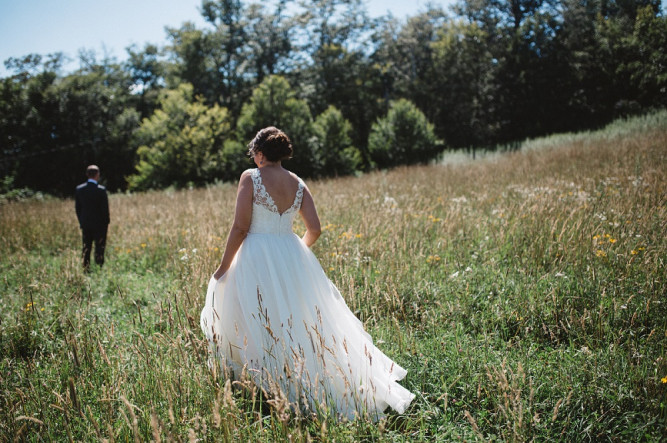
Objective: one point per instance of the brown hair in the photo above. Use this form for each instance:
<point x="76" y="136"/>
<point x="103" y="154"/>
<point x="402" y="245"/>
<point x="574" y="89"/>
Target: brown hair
<point x="273" y="143"/>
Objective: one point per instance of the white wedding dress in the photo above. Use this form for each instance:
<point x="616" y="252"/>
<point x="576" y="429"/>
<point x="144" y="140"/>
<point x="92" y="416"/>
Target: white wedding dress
<point x="276" y="317"/>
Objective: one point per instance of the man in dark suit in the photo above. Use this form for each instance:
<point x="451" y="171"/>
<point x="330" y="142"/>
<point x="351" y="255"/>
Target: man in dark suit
<point x="92" y="210"/>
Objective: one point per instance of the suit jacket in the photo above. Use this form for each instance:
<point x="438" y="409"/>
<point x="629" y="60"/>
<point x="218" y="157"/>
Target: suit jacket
<point x="92" y="206"/>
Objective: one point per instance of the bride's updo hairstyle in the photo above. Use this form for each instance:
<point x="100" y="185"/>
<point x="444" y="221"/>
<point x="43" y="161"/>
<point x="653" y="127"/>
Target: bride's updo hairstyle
<point x="273" y="143"/>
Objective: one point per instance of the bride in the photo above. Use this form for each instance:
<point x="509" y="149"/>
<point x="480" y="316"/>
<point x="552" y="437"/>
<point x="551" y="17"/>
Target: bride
<point x="273" y="314"/>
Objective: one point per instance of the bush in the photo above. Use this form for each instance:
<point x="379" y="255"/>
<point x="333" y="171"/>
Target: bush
<point x="404" y="136"/>
<point x="181" y="143"/>
<point x="332" y="145"/>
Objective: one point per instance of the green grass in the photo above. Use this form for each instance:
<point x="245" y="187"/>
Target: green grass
<point x="524" y="292"/>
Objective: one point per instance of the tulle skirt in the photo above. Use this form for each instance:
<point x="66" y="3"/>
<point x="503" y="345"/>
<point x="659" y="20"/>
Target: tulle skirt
<point x="276" y="317"/>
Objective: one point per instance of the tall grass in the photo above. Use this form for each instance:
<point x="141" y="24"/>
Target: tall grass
<point x="524" y="293"/>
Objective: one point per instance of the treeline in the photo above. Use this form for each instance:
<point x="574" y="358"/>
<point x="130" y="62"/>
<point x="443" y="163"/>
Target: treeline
<point x="353" y="92"/>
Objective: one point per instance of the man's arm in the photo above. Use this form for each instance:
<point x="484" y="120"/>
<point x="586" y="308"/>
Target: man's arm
<point x="105" y="206"/>
<point x="77" y="205"/>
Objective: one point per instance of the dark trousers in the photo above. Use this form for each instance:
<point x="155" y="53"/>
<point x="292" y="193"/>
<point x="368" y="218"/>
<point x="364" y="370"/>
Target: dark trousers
<point x="97" y="236"/>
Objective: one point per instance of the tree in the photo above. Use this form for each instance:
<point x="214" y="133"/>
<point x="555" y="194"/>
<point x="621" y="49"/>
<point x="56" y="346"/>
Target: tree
<point x="632" y="53"/>
<point x="333" y="65"/>
<point x="333" y="151"/>
<point x="55" y="126"/>
<point x="182" y="143"/>
<point x="226" y="61"/>
<point x="273" y="103"/>
<point x="403" y="137"/>
<point x="147" y="72"/>
<point x="191" y="61"/>
<point x="268" y="41"/>
<point x="406" y="55"/>
<point x="463" y="98"/>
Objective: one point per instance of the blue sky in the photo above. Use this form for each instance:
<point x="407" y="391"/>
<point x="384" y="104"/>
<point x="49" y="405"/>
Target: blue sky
<point x="47" y="26"/>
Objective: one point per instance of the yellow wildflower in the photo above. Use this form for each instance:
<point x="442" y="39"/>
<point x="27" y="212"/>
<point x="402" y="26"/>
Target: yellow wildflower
<point x="664" y="379"/>
<point x="600" y="253"/>
<point x="143" y="245"/>
<point x="633" y="252"/>
<point x="612" y="240"/>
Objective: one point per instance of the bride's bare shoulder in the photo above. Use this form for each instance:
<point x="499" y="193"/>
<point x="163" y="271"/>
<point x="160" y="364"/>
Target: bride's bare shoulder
<point x="295" y="177"/>
<point x="246" y="176"/>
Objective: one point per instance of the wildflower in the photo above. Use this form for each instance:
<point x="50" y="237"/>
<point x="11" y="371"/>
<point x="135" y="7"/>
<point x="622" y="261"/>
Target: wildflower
<point x="143" y="245"/>
<point x="664" y="379"/>
<point x="216" y="249"/>
<point x="41" y="309"/>
<point x="633" y="252"/>
<point x="596" y="237"/>
<point x="600" y="253"/>
<point x="612" y="240"/>
<point x="432" y="259"/>
<point x="358" y="236"/>
<point x="607" y="235"/>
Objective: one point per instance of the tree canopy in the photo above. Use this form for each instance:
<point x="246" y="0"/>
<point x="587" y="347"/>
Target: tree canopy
<point x="338" y="82"/>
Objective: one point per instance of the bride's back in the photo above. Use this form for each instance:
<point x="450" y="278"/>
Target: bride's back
<point x="281" y="185"/>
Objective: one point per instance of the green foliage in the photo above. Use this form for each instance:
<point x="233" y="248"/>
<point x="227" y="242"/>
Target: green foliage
<point x="333" y="151"/>
<point x="490" y="73"/>
<point x="403" y="136"/>
<point x="632" y="52"/>
<point x="52" y="128"/>
<point x="273" y="103"/>
<point x="464" y="103"/>
<point x="182" y="143"/>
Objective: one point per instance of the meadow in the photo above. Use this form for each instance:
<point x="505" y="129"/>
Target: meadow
<point x="523" y="291"/>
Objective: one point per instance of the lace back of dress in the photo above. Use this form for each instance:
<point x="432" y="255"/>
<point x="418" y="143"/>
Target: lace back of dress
<point x="259" y="195"/>
<point x="262" y="198"/>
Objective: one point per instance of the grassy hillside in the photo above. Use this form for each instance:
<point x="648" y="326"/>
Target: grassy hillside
<point x="524" y="293"/>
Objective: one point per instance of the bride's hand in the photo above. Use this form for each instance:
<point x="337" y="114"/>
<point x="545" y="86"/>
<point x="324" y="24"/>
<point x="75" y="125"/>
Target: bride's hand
<point x="217" y="275"/>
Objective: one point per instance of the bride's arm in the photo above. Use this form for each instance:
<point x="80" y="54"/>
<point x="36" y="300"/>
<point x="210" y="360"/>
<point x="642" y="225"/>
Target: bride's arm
<point x="310" y="219"/>
<point x="239" y="230"/>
